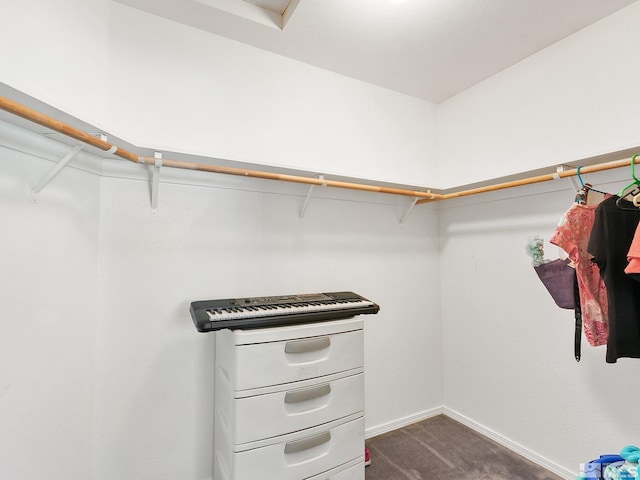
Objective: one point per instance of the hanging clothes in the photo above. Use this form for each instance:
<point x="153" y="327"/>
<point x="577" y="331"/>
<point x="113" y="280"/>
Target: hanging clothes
<point x="611" y="236"/>
<point x="572" y="235"/>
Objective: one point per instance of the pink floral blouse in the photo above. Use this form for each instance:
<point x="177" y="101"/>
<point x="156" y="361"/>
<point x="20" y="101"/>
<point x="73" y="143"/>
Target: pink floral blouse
<point x="572" y="235"/>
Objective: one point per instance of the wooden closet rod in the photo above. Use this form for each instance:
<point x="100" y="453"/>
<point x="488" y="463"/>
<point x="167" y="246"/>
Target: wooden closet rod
<point x="537" y="179"/>
<point x="425" y="197"/>
<point x="46" y="121"/>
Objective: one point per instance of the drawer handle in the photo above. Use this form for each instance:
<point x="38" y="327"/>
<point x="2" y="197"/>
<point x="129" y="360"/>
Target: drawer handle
<point x="303" y="346"/>
<point x="306" y="394"/>
<point x="307" y="443"/>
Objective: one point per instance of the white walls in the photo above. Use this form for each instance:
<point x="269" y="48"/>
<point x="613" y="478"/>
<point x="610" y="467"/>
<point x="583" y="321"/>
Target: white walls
<point x="190" y="91"/>
<point x="187" y="90"/>
<point x="573" y="100"/>
<point x="154" y="394"/>
<point x="48" y="292"/>
<point x="167" y="86"/>
<point x="104" y="375"/>
<point x="508" y="363"/>
<point x="508" y="366"/>
<point x="107" y="377"/>
<point x="162" y="85"/>
<point x="119" y="386"/>
<point x="57" y="52"/>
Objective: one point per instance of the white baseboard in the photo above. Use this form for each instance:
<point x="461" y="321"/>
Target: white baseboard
<point x="402" y="422"/>
<point x="511" y="445"/>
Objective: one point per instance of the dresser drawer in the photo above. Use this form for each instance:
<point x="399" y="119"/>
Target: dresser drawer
<point x="303" y="456"/>
<point x="286" y="361"/>
<point x="292" y="408"/>
<point x="348" y="472"/>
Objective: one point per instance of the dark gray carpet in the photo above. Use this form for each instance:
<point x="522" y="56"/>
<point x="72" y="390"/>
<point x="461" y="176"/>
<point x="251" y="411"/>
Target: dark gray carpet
<point x="440" y="448"/>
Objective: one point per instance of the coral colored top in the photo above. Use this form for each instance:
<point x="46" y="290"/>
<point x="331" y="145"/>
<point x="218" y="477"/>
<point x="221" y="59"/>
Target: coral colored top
<point x="572" y="235"/>
<point x="633" y="257"/>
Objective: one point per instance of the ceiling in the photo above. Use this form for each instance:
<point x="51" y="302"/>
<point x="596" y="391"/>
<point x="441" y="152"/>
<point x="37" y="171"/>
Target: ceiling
<point x="430" y="49"/>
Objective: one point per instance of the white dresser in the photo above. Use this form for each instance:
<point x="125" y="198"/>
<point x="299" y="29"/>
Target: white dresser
<point x="289" y="402"/>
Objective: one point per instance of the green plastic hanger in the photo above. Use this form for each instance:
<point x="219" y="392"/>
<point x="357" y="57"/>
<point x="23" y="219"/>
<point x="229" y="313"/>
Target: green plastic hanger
<point x="635" y="183"/>
<point x="633" y="175"/>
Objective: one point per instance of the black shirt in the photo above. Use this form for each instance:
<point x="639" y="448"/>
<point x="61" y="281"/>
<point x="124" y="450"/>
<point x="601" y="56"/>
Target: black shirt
<point x="609" y="243"/>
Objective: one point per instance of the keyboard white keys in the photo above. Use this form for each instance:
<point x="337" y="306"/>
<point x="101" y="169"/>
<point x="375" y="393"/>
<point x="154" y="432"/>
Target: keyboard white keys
<point x="256" y="312"/>
<point x="277" y="310"/>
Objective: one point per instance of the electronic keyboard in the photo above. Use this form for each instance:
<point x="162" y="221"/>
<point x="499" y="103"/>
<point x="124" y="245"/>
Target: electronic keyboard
<point x="258" y="312"/>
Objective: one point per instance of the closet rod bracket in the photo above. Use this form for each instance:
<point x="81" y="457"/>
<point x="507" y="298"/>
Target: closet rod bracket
<point x="410" y="207"/>
<point x="155" y="181"/>
<point x="56" y="170"/>
<point x="303" y="210"/>
<point x="564" y="168"/>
